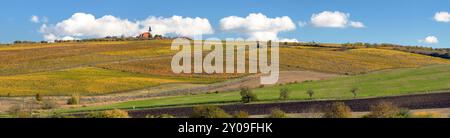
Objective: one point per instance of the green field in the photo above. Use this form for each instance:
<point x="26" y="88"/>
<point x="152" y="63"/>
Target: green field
<point x="382" y="83"/>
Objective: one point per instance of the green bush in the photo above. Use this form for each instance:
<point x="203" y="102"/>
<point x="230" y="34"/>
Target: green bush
<point x="209" y="112"/>
<point x="354" y="91"/>
<point x="247" y="95"/>
<point x="284" y="93"/>
<point x="338" y="110"/>
<point x="310" y="93"/>
<point x="277" y="113"/>
<point x="241" y="114"/>
<point x="74" y="99"/>
<point x="116" y="113"/>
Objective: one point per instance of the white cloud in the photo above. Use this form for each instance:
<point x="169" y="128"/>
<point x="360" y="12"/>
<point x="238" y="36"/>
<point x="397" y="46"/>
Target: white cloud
<point x="34" y="19"/>
<point x="178" y="25"/>
<point x="287" y="40"/>
<point x="302" y="24"/>
<point x="442" y="16"/>
<point x="430" y="40"/>
<point x="357" y="24"/>
<point x="334" y="19"/>
<point x="257" y="26"/>
<point x="84" y="25"/>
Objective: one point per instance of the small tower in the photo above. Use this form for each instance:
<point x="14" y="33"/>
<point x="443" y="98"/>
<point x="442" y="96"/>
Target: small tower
<point x="150" y="29"/>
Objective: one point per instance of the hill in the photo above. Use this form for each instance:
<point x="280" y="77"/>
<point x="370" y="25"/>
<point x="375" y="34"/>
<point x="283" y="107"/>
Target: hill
<point x="91" y="68"/>
<point x="377" y="84"/>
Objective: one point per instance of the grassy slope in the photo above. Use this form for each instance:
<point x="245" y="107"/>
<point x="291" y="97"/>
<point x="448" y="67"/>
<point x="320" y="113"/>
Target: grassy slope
<point x="382" y="83"/>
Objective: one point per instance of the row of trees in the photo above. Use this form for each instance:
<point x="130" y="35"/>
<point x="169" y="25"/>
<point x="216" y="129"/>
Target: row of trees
<point x="108" y="38"/>
<point x="247" y="95"/>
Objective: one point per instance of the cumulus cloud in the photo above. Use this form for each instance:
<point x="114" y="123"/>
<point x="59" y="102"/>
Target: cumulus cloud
<point x="34" y="19"/>
<point x="257" y="26"/>
<point x="430" y="40"/>
<point x="84" y="25"/>
<point x="178" y="25"/>
<point x="442" y="16"/>
<point x="334" y="19"/>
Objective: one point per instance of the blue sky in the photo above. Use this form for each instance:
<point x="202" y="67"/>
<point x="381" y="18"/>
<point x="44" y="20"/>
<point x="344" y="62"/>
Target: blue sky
<point x="406" y="22"/>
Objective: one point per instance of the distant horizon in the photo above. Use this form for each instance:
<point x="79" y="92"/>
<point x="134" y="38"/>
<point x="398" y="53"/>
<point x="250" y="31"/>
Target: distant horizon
<point x="402" y="22"/>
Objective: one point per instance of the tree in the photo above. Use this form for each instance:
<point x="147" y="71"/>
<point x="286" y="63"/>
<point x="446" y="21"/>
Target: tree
<point x="38" y="97"/>
<point x="354" y="91"/>
<point x="209" y="112"/>
<point x="338" y="110"/>
<point x="116" y="113"/>
<point x="247" y="95"/>
<point x="310" y="93"/>
<point x="385" y="110"/>
<point x="284" y="93"/>
<point x="277" y="113"/>
<point x="241" y="114"/>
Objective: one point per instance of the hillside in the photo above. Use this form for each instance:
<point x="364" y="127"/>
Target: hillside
<point x="377" y="84"/>
<point x="91" y="68"/>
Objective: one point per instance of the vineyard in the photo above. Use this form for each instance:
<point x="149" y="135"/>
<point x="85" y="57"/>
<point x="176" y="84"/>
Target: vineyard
<point x="95" y="68"/>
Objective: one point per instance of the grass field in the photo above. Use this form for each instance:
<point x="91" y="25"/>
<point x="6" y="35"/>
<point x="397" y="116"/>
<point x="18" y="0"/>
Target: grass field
<point x="382" y="83"/>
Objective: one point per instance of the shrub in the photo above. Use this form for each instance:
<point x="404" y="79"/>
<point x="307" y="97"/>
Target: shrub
<point x="338" y="110"/>
<point x="284" y="93"/>
<point x="247" y="95"/>
<point x="277" y="113"/>
<point x="38" y="97"/>
<point x="354" y="91"/>
<point x="74" y="99"/>
<point x="160" y="116"/>
<point x="310" y="93"/>
<point x="209" y="112"/>
<point x="384" y="110"/>
<point x="116" y="113"/>
<point x="241" y="114"/>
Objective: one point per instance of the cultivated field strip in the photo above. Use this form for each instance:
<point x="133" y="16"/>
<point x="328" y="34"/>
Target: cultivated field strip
<point x="420" y="101"/>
